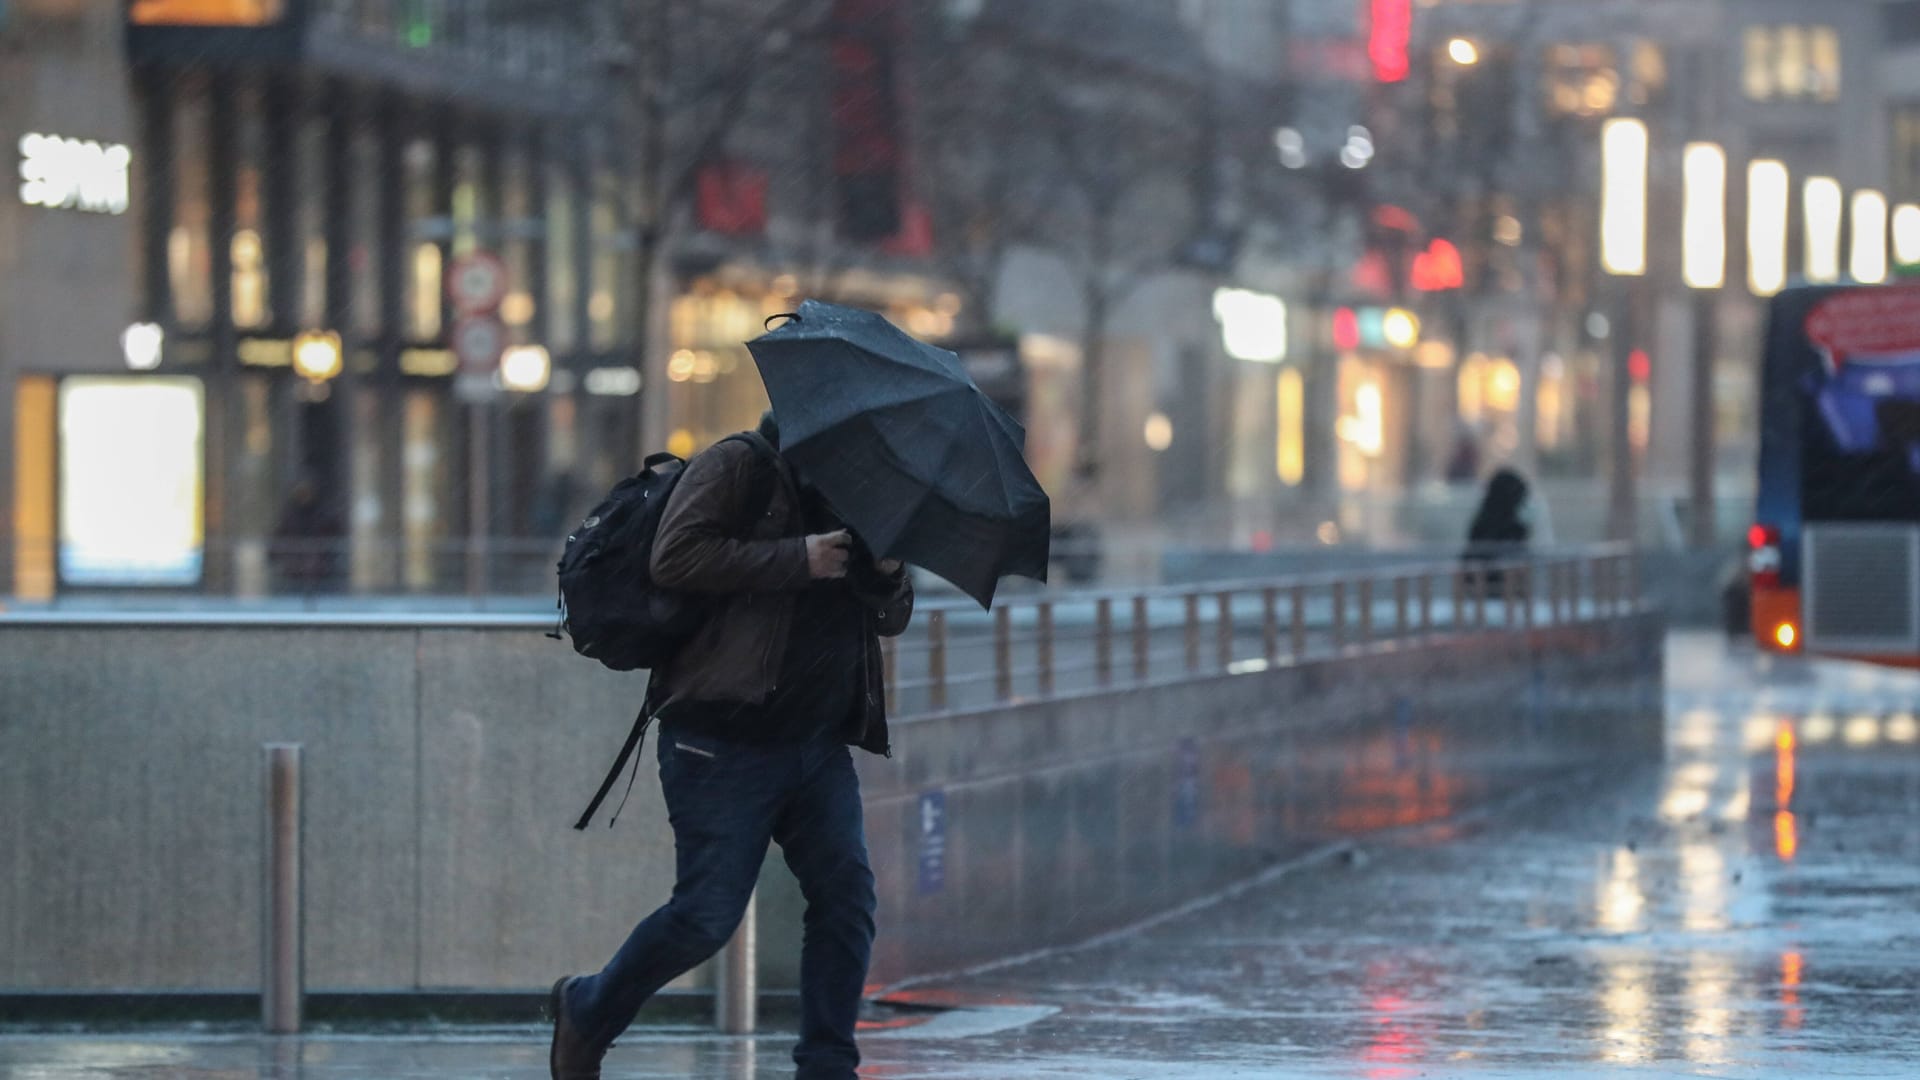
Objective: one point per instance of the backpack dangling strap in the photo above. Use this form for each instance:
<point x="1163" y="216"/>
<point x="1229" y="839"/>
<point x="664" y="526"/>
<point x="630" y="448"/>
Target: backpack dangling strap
<point x="635" y="739"/>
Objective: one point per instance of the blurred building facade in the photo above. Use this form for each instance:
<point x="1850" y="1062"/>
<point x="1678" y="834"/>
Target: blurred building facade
<point x="1321" y="262"/>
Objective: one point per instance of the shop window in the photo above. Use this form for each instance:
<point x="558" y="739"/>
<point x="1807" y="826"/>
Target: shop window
<point x="425" y="482"/>
<point x="468" y="199"/>
<point x="562" y="282"/>
<point x="1290" y="451"/>
<point x="609" y="241"/>
<point x="520" y="306"/>
<point x="190" y="244"/>
<point x="1906" y="154"/>
<point x="247" y="248"/>
<point x="34" y="436"/>
<point x="364" y="231"/>
<point x="1791" y="63"/>
<point x="423" y="256"/>
<point x="311" y="170"/>
<point x="423" y="290"/>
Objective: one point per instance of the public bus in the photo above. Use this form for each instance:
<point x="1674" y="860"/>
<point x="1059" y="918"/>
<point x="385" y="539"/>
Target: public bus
<point x="1834" y="550"/>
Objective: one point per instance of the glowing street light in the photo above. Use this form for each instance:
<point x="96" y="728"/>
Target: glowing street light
<point x="1703" y="225"/>
<point x="1823" y="205"/>
<point x="1463" y="52"/>
<point x="525" y="369"/>
<point x="1767" y="227"/>
<point x="1623" y="197"/>
<point x="316" y="355"/>
<point x="1867" y="262"/>
<point x="141" y="345"/>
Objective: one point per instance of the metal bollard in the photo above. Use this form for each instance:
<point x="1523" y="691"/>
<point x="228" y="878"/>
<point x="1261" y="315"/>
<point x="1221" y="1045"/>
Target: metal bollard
<point x="1142" y="644"/>
<point x="1103" y="641"/>
<point x="282" y="926"/>
<point x="736" y="980"/>
<point x="1224" y="630"/>
<point x="1193" y="632"/>
<point x="1270" y="624"/>
<point x="1044" y="623"/>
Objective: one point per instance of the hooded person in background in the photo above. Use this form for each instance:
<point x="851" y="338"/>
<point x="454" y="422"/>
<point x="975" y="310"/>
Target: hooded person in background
<point x="757" y="713"/>
<point x="1501" y="527"/>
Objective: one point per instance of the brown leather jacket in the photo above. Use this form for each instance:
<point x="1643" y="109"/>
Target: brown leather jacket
<point x="705" y="545"/>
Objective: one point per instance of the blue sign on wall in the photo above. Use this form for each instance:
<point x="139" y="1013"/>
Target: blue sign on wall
<point x="933" y="842"/>
<point x="1186" y="786"/>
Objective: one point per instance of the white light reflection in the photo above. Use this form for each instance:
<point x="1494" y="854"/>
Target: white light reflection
<point x="1627" y="1003"/>
<point x="1902" y="728"/>
<point x="1861" y="731"/>
<point x="1703" y="887"/>
<point x="1709" y="1002"/>
<point x="1818" y="728"/>
<point x="1621" y="902"/>
<point x="1690" y="791"/>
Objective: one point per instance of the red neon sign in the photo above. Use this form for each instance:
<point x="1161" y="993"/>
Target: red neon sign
<point x="1390" y="32"/>
<point x="1438" y="268"/>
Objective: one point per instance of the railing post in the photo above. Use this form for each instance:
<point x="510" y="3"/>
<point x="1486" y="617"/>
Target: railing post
<point x="1142" y="641"/>
<point x="1480" y="600"/>
<point x="1339" y="614"/>
<point x="1003" y="654"/>
<point x="1270" y="624"/>
<point x="937" y="660"/>
<point x="1510" y="594"/>
<point x="1459" y="599"/>
<point x="1399" y="607"/>
<point x="1044" y="623"/>
<point x="1223" y="633"/>
<point x="1632" y="558"/>
<point x="1193" y="632"/>
<point x="1103" y="640"/>
<point x="736" y="990"/>
<point x="1366" y="610"/>
<point x="1426" y="603"/>
<point x="283" y="922"/>
<point x="1297" y="631"/>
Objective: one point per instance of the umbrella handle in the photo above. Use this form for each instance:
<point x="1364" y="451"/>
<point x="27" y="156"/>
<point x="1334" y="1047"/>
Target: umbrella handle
<point x="767" y="323"/>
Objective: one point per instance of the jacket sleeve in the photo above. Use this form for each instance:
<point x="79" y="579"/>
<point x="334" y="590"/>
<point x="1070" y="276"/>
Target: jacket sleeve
<point x="700" y="547"/>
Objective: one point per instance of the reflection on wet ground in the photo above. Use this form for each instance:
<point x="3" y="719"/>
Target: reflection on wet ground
<point x="1749" y="907"/>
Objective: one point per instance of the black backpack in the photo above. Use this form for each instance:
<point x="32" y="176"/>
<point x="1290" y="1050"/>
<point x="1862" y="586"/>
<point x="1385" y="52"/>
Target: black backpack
<point x="609" y="605"/>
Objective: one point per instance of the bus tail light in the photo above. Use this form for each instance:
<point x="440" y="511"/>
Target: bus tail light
<point x="1763" y="556"/>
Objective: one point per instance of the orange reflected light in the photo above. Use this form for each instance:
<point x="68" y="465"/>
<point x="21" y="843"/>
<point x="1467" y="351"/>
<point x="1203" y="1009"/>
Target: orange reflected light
<point x="1783" y="768"/>
<point x="1785" y="635"/>
<point x="1786" y="835"/>
<point x="1791" y="965"/>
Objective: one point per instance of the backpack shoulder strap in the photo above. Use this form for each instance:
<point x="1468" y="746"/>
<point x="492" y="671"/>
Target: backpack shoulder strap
<point x="760" y="496"/>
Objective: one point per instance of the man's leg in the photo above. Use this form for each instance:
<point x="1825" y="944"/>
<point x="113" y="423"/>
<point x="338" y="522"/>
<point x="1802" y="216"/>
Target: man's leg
<point x="722" y="809"/>
<point x="822" y="833"/>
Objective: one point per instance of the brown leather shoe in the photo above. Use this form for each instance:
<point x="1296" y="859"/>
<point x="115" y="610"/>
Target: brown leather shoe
<point x="572" y="1056"/>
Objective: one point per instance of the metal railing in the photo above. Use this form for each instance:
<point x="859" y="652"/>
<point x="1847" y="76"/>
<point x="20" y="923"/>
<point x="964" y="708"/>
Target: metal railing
<point x="956" y="657"/>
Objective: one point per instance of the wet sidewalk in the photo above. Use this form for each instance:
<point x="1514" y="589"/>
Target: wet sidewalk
<point x="1749" y="908"/>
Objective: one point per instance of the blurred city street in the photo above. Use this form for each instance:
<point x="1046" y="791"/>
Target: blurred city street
<point x="1746" y="908"/>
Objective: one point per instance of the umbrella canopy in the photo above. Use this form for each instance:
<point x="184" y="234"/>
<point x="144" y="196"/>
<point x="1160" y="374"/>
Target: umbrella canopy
<point x="921" y="463"/>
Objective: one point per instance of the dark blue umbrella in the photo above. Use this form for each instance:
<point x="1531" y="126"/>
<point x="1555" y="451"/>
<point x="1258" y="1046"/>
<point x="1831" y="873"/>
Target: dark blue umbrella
<point x="912" y="455"/>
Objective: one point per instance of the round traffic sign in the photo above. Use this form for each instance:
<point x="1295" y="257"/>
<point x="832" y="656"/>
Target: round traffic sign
<point x="478" y="282"/>
<point x="478" y="341"/>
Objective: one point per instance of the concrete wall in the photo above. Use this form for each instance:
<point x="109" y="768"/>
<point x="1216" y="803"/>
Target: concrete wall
<point x="444" y="766"/>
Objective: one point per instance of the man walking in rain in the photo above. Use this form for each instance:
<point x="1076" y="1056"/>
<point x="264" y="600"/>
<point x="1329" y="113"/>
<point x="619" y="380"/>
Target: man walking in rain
<point x="757" y="714"/>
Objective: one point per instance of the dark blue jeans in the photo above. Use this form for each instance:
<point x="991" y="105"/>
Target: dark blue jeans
<point x="725" y="801"/>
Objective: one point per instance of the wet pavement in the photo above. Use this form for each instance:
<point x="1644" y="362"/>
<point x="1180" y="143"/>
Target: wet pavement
<point x="1750" y="907"/>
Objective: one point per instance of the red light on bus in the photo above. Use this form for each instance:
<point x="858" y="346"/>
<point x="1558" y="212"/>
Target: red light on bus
<point x="1346" y="329"/>
<point x="1759" y="536"/>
